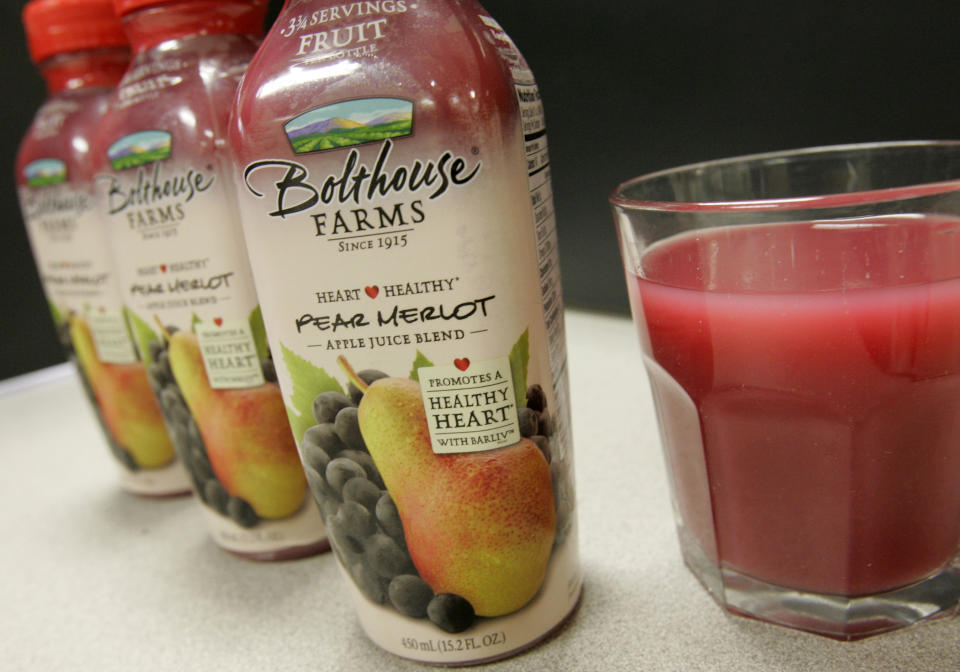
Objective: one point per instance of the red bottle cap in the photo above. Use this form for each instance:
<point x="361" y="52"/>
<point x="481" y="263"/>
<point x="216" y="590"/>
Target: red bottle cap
<point x="64" y="26"/>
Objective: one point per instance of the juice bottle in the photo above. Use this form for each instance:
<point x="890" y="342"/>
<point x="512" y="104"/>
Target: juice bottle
<point x="393" y="175"/>
<point x="82" y="52"/>
<point x="164" y="186"/>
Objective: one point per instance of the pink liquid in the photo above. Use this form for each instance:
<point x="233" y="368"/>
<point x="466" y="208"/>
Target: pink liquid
<point x="823" y="363"/>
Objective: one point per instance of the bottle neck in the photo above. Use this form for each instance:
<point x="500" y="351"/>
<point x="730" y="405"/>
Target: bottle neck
<point x="146" y="28"/>
<point x="83" y="69"/>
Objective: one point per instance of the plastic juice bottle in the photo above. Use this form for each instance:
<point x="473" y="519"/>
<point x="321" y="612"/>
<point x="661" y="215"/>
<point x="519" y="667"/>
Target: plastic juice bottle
<point x="164" y="184"/>
<point x="82" y="52"/>
<point x="393" y="173"/>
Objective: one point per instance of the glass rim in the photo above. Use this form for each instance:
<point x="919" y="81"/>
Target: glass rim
<point x="619" y="198"/>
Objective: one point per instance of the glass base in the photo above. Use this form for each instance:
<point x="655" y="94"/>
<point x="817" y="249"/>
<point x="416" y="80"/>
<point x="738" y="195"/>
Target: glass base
<point x="835" y="616"/>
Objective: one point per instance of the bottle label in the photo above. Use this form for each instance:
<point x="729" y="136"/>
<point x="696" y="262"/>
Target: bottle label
<point x="352" y="122"/>
<point x="77" y="274"/>
<point x="111" y="336"/>
<point x="191" y="304"/>
<point x="229" y="354"/>
<point x="407" y="265"/>
<point x="470" y="406"/>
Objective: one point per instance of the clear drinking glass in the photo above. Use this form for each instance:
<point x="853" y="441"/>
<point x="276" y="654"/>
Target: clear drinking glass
<point x="799" y="316"/>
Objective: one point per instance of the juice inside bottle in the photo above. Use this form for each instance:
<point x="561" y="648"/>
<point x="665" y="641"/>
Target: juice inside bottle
<point x="393" y="175"/>
<point x="164" y="185"/>
<point x="82" y="52"/>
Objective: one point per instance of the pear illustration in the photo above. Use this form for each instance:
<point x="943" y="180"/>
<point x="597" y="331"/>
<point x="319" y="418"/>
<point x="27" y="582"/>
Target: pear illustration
<point x="478" y="525"/>
<point x="126" y="401"/>
<point x="246" y="434"/>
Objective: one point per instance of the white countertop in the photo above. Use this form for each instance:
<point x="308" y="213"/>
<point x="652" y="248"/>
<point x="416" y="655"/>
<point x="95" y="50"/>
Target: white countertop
<point x="92" y="578"/>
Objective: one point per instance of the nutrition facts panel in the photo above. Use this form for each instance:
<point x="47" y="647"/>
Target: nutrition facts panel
<point x="541" y="198"/>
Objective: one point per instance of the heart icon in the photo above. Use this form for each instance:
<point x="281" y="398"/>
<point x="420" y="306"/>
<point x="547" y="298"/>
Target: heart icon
<point x="218" y="321"/>
<point x="163" y="267"/>
<point x="462" y="364"/>
<point x="102" y="309"/>
<point x="372" y="291"/>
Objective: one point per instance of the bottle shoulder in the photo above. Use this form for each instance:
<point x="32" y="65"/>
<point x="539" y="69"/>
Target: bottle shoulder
<point x="64" y="129"/>
<point x="184" y="89"/>
<point x="442" y="59"/>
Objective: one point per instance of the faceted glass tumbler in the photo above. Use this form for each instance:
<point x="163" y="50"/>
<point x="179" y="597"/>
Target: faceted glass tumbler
<point x="799" y="317"/>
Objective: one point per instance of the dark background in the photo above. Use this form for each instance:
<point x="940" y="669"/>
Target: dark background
<point x="629" y="87"/>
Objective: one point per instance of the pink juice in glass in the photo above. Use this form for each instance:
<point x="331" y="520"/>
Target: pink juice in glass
<point x="807" y="381"/>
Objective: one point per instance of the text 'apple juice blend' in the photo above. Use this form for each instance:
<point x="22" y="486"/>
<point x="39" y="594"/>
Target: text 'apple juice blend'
<point x="164" y="182"/>
<point x="394" y="184"/>
<point x="82" y="52"/>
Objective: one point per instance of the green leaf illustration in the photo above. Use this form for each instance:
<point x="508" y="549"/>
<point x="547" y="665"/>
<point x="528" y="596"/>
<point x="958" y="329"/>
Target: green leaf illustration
<point x="194" y="320"/>
<point x="519" y="359"/>
<point x="259" y="333"/>
<point x="421" y="360"/>
<point x="58" y="317"/>
<point x="143" y="334"/>
<point x="308" y="382"/>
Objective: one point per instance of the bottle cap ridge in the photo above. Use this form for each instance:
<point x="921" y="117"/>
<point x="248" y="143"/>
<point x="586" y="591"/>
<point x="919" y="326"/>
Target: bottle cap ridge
<point x="124" y="7"/>
<point x="64" y="26"/>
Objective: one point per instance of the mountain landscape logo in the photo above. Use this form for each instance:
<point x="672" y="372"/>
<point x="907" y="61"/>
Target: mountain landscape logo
<point x="45" y="172"/>
<point x="139" y="148"/>
<point x="352" y="122"/>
